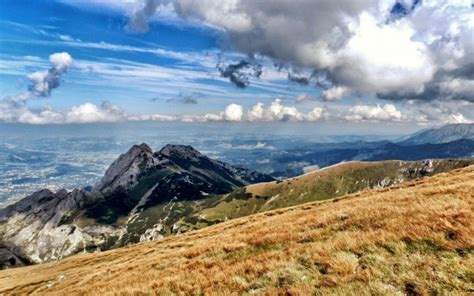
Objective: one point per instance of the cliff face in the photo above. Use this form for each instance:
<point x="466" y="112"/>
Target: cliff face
<point x="47" y="226"/>
<point x="33" y="230"/>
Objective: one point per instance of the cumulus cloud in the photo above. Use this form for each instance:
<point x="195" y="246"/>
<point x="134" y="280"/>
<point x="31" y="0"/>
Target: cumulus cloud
<point x="314" y="114"/>
<point x="88" y="113"/>
<point x="334" y="93"/>
<point x="276" y="111"/>
<point x="458" y="118"/>
<point x="232" y="112"/>
<point x="43" y="82"/>
<point x="11" y="111"/>
<point x="387" y="112"/>
<point x="279" y="112"/>
<point x="390" y="48"/>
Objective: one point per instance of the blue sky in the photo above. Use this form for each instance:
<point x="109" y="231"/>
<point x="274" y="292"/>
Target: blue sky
<point x="170" y="61"/>
<point x="170" y="69"/>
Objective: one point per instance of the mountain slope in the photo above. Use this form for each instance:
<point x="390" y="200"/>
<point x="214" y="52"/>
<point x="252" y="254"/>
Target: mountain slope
<point x="49" y="225"/>
<point x="416" y="238"/>
<point x="330" y="182"/>
<point x="178" y="216"/>
<point x="443" y="134"/>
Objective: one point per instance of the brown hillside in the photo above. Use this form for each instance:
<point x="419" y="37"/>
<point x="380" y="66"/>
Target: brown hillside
<point x="416" y="239"/>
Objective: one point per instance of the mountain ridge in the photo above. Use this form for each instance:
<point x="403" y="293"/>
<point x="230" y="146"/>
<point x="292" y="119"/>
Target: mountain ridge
<point x="50" y="225"/>
<point x="415" y="238"/>
<point x="442" y="134"/>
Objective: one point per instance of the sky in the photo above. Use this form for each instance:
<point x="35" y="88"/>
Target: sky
<point x="388" y="63"/>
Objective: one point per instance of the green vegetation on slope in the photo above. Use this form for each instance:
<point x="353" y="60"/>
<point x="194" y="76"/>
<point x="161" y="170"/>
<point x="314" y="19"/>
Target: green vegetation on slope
<point x="178" y="216"/>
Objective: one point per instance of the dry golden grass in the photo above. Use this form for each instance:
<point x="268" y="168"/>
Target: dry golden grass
<point x="414" y="239"/>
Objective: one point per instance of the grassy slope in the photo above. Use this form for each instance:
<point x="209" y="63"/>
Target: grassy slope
<point x="416" y="238"/>
<point x="323" y="184"/>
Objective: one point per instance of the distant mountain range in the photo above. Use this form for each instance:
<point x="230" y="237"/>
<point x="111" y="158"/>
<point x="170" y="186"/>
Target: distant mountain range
<point x="450" y="141"/>
<point x="292" y="162"/>
<point x="146" y="195"/>
<point x="443" y="134"/>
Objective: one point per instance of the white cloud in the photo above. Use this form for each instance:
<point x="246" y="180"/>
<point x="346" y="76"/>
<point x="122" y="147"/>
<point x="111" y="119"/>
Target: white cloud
<point x="360" y="45"/>
<point x="152" y="117"/>
<point x="279" y="112"/>
<point x="11" y="111"/>
<point x="387" y="112"/>
<point x="258" y="113"/>
<point x="458" y="118"/>
<point x="334" y="93"/>
<point x="275" y="112"/>
<point x="45" y="81"/>
<point x="45" y="116"/>
<point x="233" y="112"/>
<point x="61" y="61"/>
<point x="89" y="113"/>
<point x="315" y="114"/>
<point x="383" y="58"/>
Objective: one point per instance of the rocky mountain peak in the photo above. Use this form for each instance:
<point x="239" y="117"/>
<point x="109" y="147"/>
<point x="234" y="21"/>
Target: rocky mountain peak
<point x="138" y="148"/>
<point x="48" y="225"/>
<point x="180" y="151"/>
<point x="124" y="171"/>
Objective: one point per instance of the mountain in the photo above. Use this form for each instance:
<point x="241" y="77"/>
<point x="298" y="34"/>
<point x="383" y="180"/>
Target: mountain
<point x="147" y="196"/>
<point x="377" y="151"/>
<point x="48" y="225"/>
<point x="443" y="134"/>
<point x="413" y="238"/>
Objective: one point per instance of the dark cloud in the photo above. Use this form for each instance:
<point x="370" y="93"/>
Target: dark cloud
<point x="298" y="79"/>
<point x="187" y="99"/>
<point x="395" y="49"/>
<point x="457" y="85"/>
<point x="315" y="78"/>
<point x="239" y="74"/>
